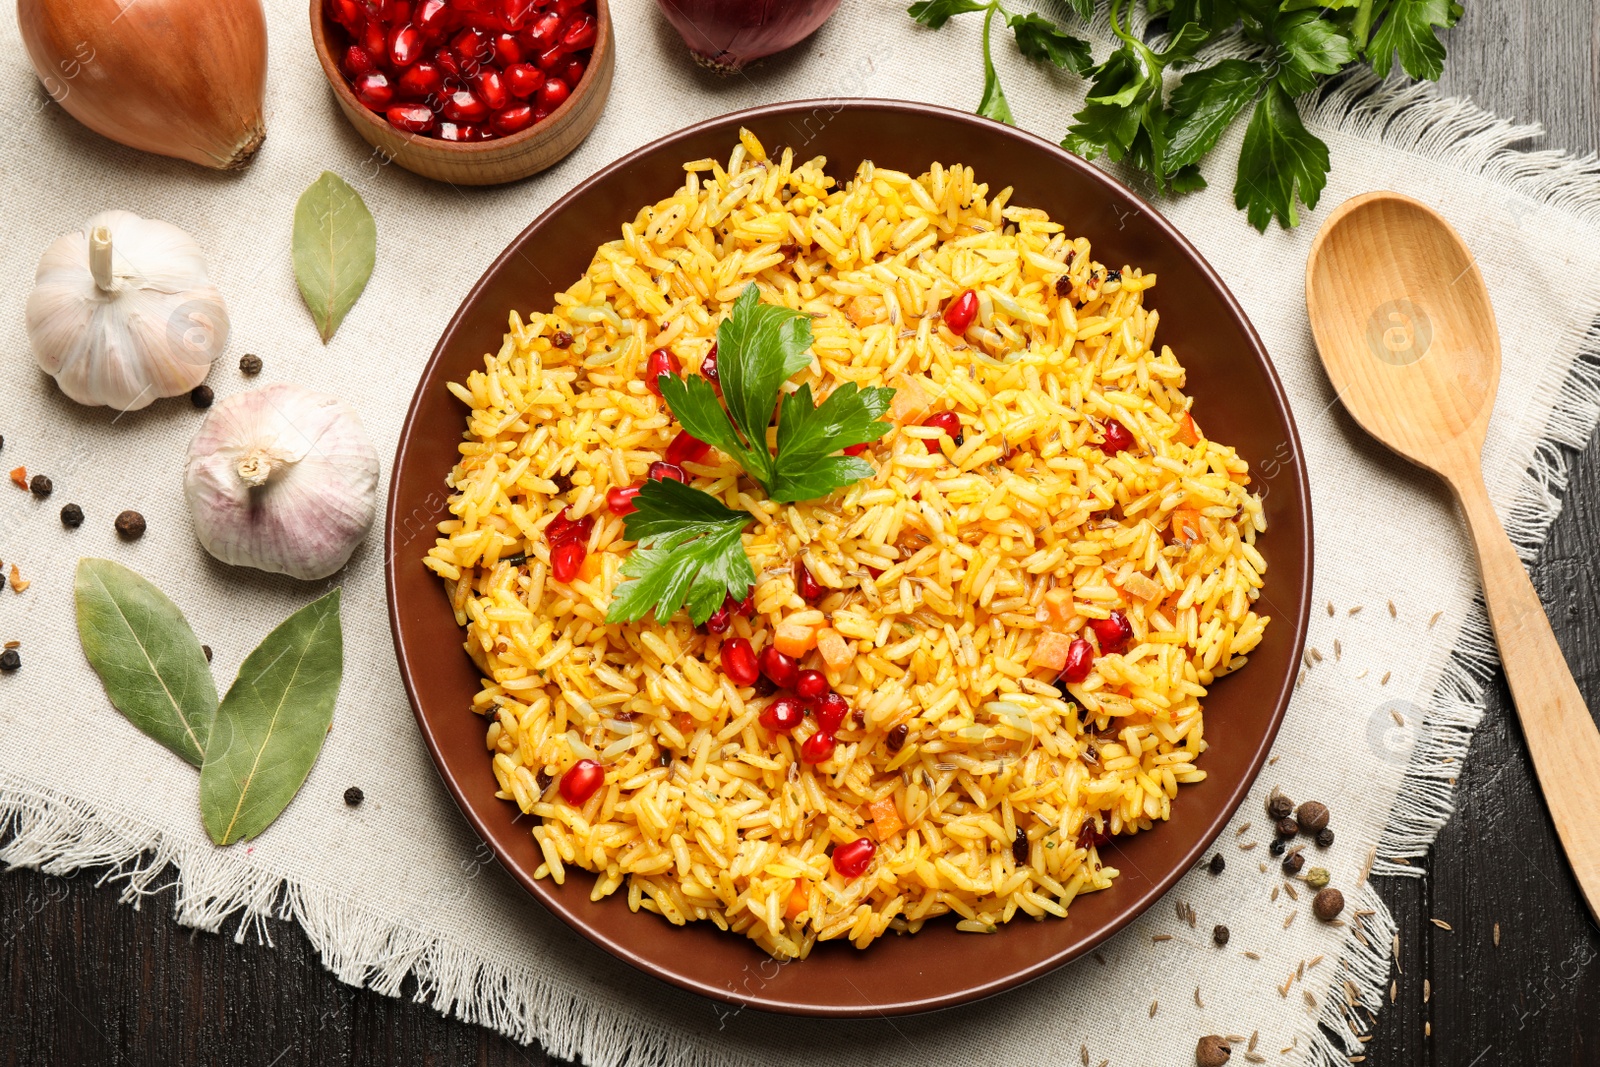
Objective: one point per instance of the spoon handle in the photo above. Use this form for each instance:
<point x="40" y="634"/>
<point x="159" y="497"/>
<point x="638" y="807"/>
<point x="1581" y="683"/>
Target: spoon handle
<point x="1561" y="735"/>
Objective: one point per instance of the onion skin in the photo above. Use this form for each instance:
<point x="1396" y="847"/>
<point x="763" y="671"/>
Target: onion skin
<point x="182" y="78"/>
<point x="724" y="35"/>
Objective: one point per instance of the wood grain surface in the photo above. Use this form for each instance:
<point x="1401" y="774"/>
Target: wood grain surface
<point x="90" y="980"/>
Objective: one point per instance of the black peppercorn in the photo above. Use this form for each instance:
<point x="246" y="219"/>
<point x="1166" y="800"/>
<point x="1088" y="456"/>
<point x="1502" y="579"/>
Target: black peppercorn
<point x="130" y="524"/>
<point x="1287" y="827"/>
<point x="562" y="339"/>
<point x="1324" y="837"/>
<point x="354" y="796"/>
<point x="1218" y="863"/>
<point x="72" y="516"/>
<point x="10" y="660"/>
<point x="1313" y="816"/>
<point x="1019" y="847"/>
<point x="1220" y="935"/>
<point x="1279" y="806"/>
<point x="1279" y="846"/>
<point x="40" y="486"/>
<point x="250" y="364"/>
<point x="1293" y="862"/>
<point x="201" y="396"/>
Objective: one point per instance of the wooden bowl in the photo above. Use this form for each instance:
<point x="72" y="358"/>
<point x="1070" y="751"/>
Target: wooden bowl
<point x="1238" y="398"/>
<point x="504" y="159"/>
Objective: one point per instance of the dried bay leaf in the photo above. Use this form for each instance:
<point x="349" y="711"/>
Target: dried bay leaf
<point x="335" y="245"/>
<point x="147" y="656"/>
<point x="270" y="726"/>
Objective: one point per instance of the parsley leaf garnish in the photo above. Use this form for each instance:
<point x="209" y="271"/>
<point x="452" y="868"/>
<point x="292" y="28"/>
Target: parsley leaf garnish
<point x="1282" y="161"/>
<point x="690" y="552"/>
<point x="759" y="347"/>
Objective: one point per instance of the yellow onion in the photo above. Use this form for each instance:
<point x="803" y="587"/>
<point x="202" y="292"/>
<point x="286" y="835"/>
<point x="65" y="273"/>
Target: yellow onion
<point x="180" y="78"/>
<point x="724" y="35"/>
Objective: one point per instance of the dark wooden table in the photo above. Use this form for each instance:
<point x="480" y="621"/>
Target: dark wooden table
<point x="92" y="981"/>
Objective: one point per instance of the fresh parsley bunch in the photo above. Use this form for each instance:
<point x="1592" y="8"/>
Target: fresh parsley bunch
<point x="1296" y="45"/>
<point x="690" y="549"/>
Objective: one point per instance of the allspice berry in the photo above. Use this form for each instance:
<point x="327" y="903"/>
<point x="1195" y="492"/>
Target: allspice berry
<point x="1313" y="817"/>
<point x="250" y="364"/>
<point x="1279" y="806"/>
<point x="1212" y="1051"/>
<point x="130" y="525"/>
<point x="1293" y="862"/>
<point x="1220" y="935"/>
<point x="1287" y="828"/>
<point x="1327" y="904"/>
<point x="201" y="396"/>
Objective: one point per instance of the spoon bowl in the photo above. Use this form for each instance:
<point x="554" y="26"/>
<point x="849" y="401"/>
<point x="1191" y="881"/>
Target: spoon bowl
<point x="1403" y="322"/>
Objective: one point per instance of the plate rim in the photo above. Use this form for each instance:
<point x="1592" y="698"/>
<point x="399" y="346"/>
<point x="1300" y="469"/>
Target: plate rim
<point x="1300" y="611"/>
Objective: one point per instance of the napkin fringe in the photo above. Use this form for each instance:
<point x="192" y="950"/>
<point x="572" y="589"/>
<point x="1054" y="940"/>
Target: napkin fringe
<point x="1417" y="118"/>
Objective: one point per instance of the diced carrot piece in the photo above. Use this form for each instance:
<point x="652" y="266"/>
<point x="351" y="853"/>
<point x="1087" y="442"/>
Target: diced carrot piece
<point x="794" y="638"/>
<point x="910" y="403"/>
<point x="885" y="818"/>
<point x="683" y="722"/>
<point x="799" y="899"/>
<point x="1058" y="605"/>
<point x="1188" y="432"/>
<point x="1140" y="587"/>
<point x="1185" y="529"/>
<point x="836" y="652"/>
<point x="591" y="567"/>
<point x="1051" y="651"/>
<point x="20" y="476"/>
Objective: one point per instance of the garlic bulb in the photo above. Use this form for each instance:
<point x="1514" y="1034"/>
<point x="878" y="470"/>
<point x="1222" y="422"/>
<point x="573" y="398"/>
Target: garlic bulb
<point x="282" y="479"/>
<point x="122" y="312"/>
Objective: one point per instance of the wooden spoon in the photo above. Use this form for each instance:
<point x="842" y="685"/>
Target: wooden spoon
<point x="1407" y="334"/>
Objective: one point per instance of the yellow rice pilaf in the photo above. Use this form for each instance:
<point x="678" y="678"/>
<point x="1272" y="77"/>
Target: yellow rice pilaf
<point x="942" y="573"/>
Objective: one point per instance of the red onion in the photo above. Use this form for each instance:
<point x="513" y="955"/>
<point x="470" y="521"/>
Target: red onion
<point x="724" y="35"/>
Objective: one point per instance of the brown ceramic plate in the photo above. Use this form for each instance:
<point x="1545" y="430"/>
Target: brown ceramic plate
<point x="1238" y="399"/>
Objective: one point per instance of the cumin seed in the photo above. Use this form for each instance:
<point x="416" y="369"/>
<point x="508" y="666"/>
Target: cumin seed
<point x="1254" y="1037"/>
<point x="1392" y="613"/>
<point x="1436" y="617"/>
<point x="1330" y="609"/>
<point x="1154" y="1004"/>
<point x="1496" y="935"/>
<point x="1427" y="990"/>
<point x="1197" y="1001"/>
<point x="1158" y="938"/>
<point x="1399" y="719"/>
<point x="1385" y="679"/>
<point x="1441" y="924"/>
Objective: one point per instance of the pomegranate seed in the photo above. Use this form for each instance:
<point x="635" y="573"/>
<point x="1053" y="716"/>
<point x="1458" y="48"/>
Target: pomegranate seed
<point x="619" y="498"/>
<point x="1113" y="633"/>
<point x="550" y="58"/>
<point x="782" y="715"/>
<point x="582" y="779"/>
<point x="395" y="12"/>
<point x="553" y="93"/>
<point x="374" y="90"/>
<point x="781" y="668"/>
<point x="572" y="73"/>
<point x="357" y="61"/>
<point x="455" y="131"/>
<point x="413" y="118"/>
<point x="562" y="528"/>
<point x="523" y="79"/>
<point x="432" y="20"/>
<point x="661" y="469"/>
<point x="541" y="35"/>
<point x="405" y="46"/>
<point x="739" y="661"/>
<point x="579" y="32"/>
<point x="1080" y="658"/>
<point x="347" y="13"/>
<point x="720" y="620"/>
<point x="661" y="361"/>
<point x="818" y="748"/>
<point x="420" y="81"/>
<point x="448" y="62"/>
<point x="540" y="114"/>
<point x="516" y="12"/>
<point x="811" y="686"/>
<point x="567" y="7"/>
<point x="747" y="606"/>
<point x="804" y="583"/>
<point x="708" y="366"/>
<point x="947" y="421"/>
<point x="566" y="558"/>
<point x="462" y="106"/>
<point x="375" y="41"/>
<point x="1115" y="438"/>
<point x="472" y="45"/>
<point x="512" y="120"/>
<point x="959" y="313"/>
<point x="856" y="450"/>
<point x="686" y="448"/>
<point x="491" y="89"/>
<point x="831" y="712"/>
<point x="507" y="49"/>
<point x="852" y="858"/>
